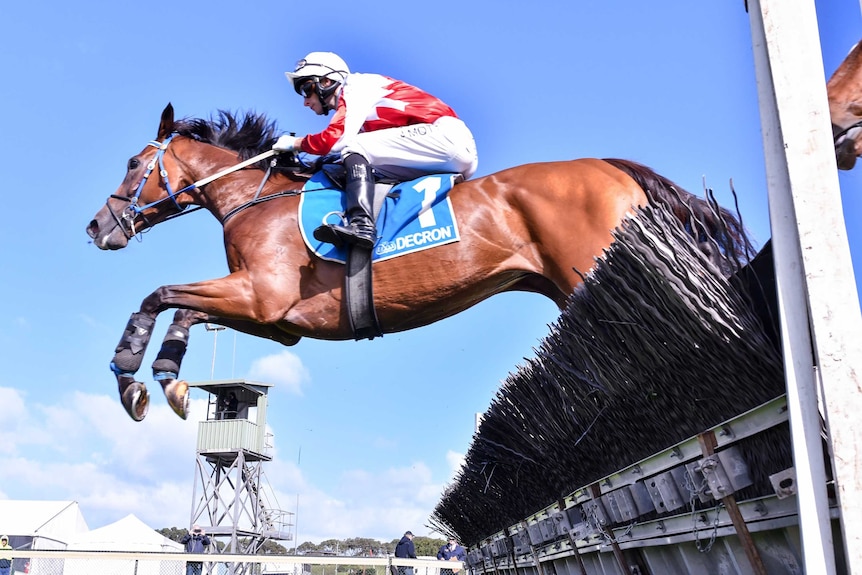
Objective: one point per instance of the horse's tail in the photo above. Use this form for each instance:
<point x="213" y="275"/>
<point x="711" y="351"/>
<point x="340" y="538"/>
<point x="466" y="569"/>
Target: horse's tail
<point x="709" y="224"/>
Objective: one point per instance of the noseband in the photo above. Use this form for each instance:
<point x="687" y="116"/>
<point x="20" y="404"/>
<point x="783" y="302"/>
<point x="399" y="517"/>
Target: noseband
<point x="126" y="219"/>
<point x="838" y="133"/>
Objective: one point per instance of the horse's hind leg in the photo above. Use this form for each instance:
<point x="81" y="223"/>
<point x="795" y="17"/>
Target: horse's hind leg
<point x="166" y="368"/>
<point x="128" y="356"/>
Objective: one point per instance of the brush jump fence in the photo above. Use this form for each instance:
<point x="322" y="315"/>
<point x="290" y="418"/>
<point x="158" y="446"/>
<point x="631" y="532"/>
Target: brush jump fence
<point x="139" y="563"/>
<point x="649" y="434"/>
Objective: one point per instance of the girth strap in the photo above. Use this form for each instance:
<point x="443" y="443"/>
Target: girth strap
<point x="358" y="286"/>
<point x="359" y="294"/>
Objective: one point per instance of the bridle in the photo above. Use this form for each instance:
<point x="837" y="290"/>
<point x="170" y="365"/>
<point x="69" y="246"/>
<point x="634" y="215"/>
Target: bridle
<point x="125" y="220"/>
<point x="840" y="133"/>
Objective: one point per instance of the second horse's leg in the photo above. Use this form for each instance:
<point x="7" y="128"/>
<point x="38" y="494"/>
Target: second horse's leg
<point x="166" y="368"/>
<point x="128" y="356"/>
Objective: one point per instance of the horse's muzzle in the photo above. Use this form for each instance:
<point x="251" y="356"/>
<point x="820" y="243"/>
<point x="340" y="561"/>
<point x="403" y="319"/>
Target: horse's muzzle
<point x="845" y="154"/>
<point x="107" y="237"/>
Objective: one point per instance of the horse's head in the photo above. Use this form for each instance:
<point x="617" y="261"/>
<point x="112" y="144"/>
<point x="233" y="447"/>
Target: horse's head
<point x="147" y="195"/>
<point x="844" y="90"/>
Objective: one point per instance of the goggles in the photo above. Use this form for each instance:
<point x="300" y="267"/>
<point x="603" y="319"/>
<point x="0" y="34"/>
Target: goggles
<point x="306" y="89"/>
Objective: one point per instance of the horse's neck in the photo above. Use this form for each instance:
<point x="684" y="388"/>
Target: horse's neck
<point x="225" y="196"/>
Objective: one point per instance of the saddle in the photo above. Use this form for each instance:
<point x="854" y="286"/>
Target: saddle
<point x="405" y="223"/>
<point x="382" y="185"/>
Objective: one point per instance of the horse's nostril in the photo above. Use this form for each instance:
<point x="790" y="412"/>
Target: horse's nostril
<point x="93" y="229"/>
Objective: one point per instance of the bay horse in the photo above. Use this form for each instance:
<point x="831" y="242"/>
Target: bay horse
<point x="844" y="91"/>
<point x="534" y="228"/>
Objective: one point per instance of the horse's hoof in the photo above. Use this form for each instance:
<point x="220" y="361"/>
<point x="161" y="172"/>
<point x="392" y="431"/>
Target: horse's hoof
<point x="135" y="399"/>
<point x="177" y="394"/>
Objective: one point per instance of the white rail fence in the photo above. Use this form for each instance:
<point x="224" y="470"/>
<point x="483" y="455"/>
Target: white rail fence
<point x="140" y="563"/>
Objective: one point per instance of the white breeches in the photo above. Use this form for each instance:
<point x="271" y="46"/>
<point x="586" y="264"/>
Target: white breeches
<point x="406" y="153"/>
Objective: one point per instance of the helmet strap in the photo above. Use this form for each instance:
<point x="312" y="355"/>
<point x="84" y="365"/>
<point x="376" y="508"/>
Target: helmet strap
<point x="324" y="94"/>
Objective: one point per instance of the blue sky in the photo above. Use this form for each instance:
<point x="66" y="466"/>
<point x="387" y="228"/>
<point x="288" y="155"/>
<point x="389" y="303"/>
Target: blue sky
<point x="381" y="425"/>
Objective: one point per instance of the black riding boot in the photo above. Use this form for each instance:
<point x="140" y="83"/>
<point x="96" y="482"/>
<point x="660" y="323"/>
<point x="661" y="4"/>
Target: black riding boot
<point x="359" y="188"/>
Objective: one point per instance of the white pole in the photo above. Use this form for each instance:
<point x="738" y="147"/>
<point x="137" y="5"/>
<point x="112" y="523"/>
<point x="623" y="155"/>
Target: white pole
<point x="215" y="329"/>
<point x="817" y="545"/>
<point x="819" y="304"/>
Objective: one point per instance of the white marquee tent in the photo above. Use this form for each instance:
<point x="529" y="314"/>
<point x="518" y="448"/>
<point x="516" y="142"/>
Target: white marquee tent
<point x="59" y="525"/>
<point x="127" y="534"/>
<point x="41" y="524"/>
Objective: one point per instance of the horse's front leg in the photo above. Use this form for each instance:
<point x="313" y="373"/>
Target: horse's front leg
<point x="166" y="367"/>
<point x="128" y="356"/>
<point x="207" y="301"/>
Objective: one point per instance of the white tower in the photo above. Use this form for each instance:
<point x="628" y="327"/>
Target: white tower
<point x="231" y="499"/>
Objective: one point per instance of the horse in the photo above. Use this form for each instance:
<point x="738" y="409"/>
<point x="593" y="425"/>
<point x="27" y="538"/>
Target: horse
<point x="536" y="228"/>
<point x="844" y="91"/>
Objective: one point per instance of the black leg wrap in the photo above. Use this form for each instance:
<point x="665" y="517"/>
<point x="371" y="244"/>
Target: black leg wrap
<point x="170" y="357"/>
<point x="129" y="353"/>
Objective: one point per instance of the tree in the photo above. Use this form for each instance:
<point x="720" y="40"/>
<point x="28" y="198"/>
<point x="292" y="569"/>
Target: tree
<point x="173" y="533"/>
<point x="360" y="546"/>
<point x="269" y="547"/>
<point x="350" y="547"/>
<point x="333" y="545"/>
<point x="307" y="547"/>
<point x="427" y="546"/>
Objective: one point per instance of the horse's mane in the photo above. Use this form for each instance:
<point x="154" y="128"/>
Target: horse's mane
<point x="712" y="226"/>
<point x="247" y="133"/>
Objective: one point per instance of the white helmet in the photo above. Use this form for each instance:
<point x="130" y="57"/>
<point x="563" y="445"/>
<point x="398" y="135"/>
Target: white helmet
<point x="318" y="65"/>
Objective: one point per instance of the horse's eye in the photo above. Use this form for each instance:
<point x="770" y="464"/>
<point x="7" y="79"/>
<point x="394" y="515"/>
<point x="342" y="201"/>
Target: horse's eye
<point x="133" y="163"/>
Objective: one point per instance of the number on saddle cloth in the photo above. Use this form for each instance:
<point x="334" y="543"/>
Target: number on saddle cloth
<point x="415" y="215"/>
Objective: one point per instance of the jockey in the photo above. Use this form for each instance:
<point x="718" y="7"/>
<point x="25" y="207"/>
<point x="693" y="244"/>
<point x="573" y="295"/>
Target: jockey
<point x="400" y="130"/>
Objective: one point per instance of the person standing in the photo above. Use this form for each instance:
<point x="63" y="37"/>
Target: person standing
<point x="405" y="550"/>
<point x="195" y="541"/>
<point x="5" y="557"/>
<point x="451" y="552"/>
<point x="227" y="406"/>
<point x="399" y="130"/>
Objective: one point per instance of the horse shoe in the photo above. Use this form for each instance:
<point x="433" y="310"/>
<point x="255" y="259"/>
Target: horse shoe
<point x="177" y="394"/>
<point x="135" y="397"/>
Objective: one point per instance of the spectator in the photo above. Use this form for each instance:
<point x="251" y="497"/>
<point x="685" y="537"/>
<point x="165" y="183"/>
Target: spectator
<point x="405" y="550"/>
<point x="5" y="557"/>
<point x="451" y="552"/>
<point x="196" y="542"/>
<point x="228" y="406"/>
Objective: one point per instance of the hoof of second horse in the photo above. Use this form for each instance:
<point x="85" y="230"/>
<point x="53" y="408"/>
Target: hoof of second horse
<point x="136" y="400"/>
<point x="177" y="394"/>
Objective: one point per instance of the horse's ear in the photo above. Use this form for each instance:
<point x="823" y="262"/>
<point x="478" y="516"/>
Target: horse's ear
<point x="166" y="126"/>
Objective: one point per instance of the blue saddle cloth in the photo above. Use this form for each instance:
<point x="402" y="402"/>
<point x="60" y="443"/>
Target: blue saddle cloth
<point x="416" y="215"/>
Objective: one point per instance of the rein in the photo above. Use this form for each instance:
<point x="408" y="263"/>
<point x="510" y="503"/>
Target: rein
<point x="126" y="220"/>
<point x="258" y="200"/>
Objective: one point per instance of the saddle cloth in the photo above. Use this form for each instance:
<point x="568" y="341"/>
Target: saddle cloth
<point x="415" y="215"/>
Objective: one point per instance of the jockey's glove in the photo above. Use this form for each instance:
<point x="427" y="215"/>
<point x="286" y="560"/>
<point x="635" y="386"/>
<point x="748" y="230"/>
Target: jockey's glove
<point x="286" y="143"/>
